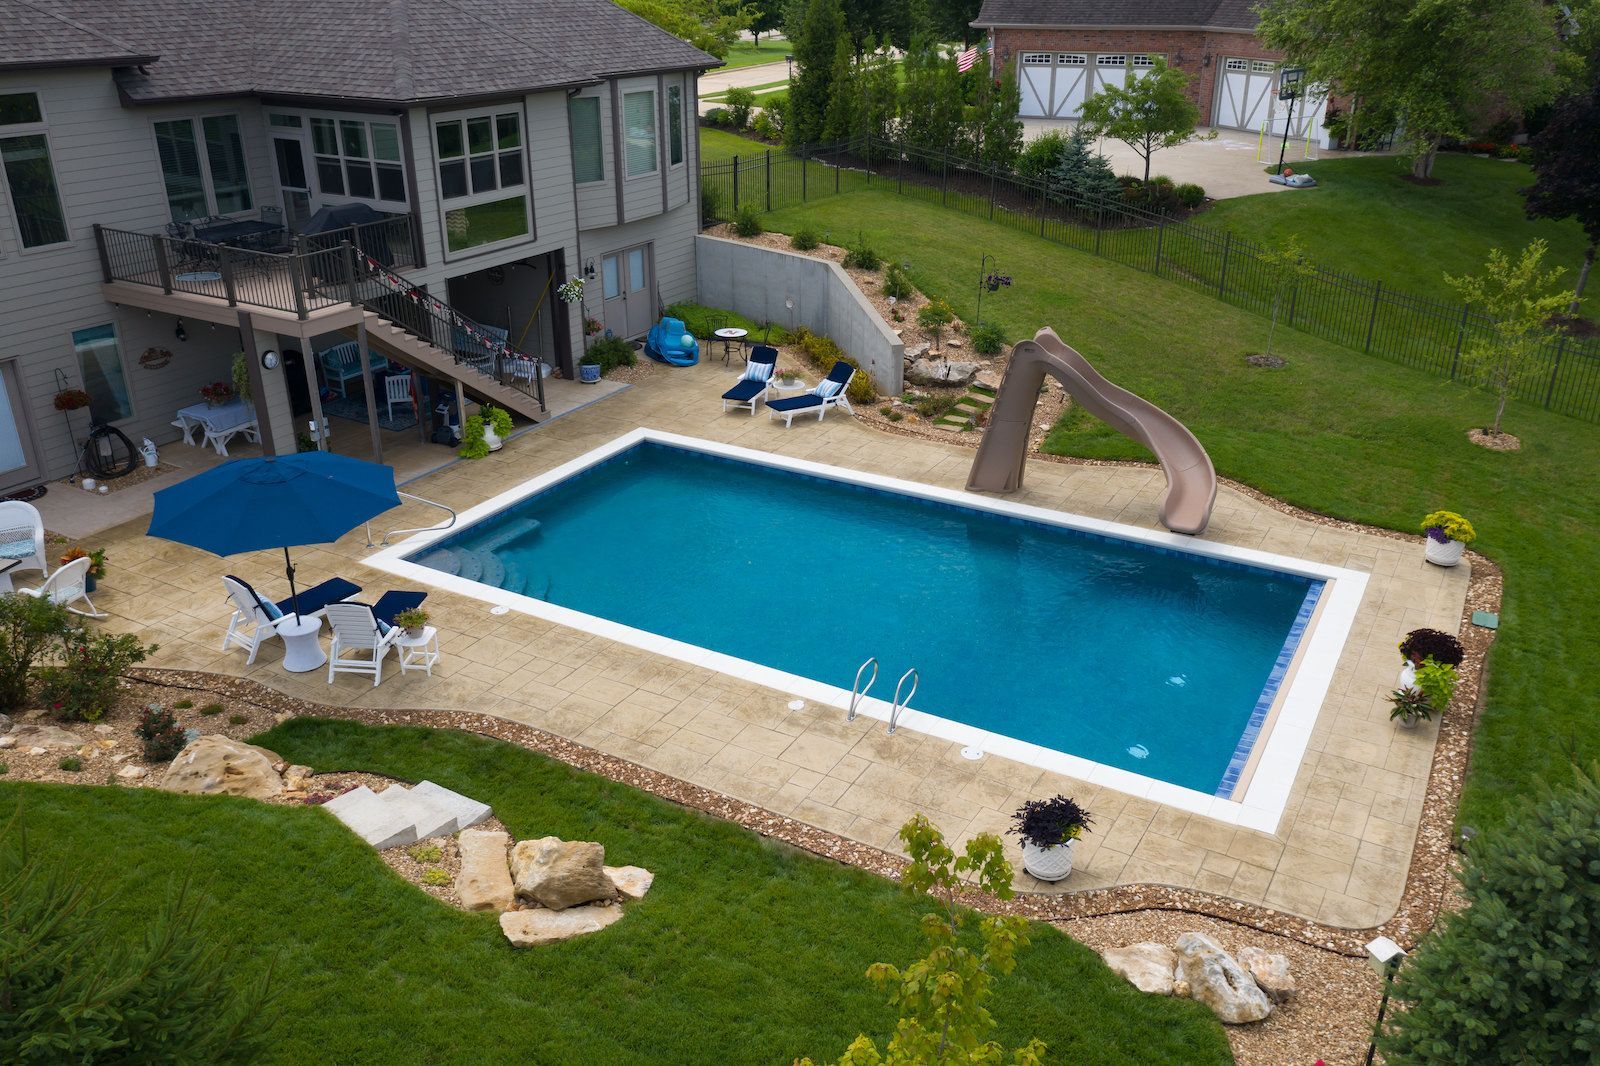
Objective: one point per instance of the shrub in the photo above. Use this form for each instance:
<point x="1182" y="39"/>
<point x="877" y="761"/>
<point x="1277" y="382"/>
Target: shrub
<point x="211" y="708"/>
<point x="1081" y="172"/>
<point x="710" y="204"/>
<point x="611" y="352"/>
<point x="776" y="112"/>
<point x="896" y="283"/>
<point x="435" y="877"/>
<point x="805" y="240"/>
<point x="861" y="255"/>
<point x="823" y="353"/>
<point x="1508" y="151"/>
<point x="5" y="768"/>
<point x="73" y="994"/>
<point x="764" y="128"/>
<point x="718" y="117"/>
<point x="1432" y="644"/>
<point x="747" y="221"/>
<point x="71" y="764"/>
<point x="238" y="719"/>
<point x="30" y="630"/>
<point x="161" y="734"/>
<point x="1191" y="195"/>
<point x="1502" y="980"/>
<point x="1437" y="683"/>
<point x="1046" y="823"/>
<point x="184" y="705"/>
<point x="934" y="405"/>
<point x="740" y="100"/>
<point x="1447" y="525"/>
<point x="426" y="852"/>
<point x="1042" y="155"/>
<point x="988" y="338"/>
<point x="934" y="316"/>
<point x="85" y="685"/>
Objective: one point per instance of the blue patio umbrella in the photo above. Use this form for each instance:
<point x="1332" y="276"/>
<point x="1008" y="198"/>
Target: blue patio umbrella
<point x="248" y="505"/>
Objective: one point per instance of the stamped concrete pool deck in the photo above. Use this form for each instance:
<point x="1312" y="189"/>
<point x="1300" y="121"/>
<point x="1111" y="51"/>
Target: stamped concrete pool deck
<point x="1339" y="854"/>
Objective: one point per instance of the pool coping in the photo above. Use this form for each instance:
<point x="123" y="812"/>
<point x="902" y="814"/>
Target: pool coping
<point x="1285" y="735"/>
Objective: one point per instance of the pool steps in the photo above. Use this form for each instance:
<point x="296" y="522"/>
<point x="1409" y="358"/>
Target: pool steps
<point x="477" y="564"/>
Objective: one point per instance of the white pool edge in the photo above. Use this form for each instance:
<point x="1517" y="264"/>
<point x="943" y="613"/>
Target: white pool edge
<point x="1267" y="793"/>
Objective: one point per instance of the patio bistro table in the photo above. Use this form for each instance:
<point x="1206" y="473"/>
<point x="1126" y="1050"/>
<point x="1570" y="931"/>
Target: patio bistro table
<point x="217" y="424"/>
<point x="242" y="232"/>
<point x="728" y="335"/>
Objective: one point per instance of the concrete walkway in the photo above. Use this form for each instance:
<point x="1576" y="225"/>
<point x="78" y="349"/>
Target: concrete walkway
<point x="1340" y="853"/>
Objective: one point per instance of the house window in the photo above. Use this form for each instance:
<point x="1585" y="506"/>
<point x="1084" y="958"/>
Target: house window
<point x="101" y="366"/>
<point x="639" y="128"/>
<point x="222" y="185"/>
<point x="1036" y="59"/>
<point x="287" y="122"/>
<point x="1263" y="66"/>
<point x="1236" y="64"/>
<point x="1143" y="61"/>
<point x="588" y="157"/>
<point x="481" y="158"/>
<point x="1072" y="59"/>
<point x="30" y="175"/>
<point x="675" y="123"/>
<point x="358" y="158"/>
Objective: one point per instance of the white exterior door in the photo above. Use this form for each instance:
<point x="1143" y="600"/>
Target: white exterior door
<point x="1034" y="72"/>
<point x="626" y="304"/>
<point x="1071" y="85"/>
<point x="1245" y="92"/>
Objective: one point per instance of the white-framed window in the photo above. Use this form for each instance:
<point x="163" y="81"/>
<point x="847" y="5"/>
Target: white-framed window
<point x="1072" y="59"/>
<point x="1263" y="66"/>
<point x="359" y="158"/>
<point x="1111" y="61"/>
<point x="1036" y="59"/>
<point x="588" y="147"/>
<point x="639" y="132"/>
<point x="203" y="166"/>
<point x="1235" y="64"/>
<point x="1143" y="62"/>
<point x="100" y="363"/>
<point x="675" y="124"/>
<point x="29" y="172"/>
<point x="481" y="161"/>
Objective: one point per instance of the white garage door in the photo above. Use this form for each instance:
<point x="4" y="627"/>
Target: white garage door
<point x="1139" y="66"/>
<point x="1308" y="113"/>
<point x="1071" y="84"/>
<point x="1245" y="92"/>
<point x="1034" y="70"/>
<point x="1110" y="70"/>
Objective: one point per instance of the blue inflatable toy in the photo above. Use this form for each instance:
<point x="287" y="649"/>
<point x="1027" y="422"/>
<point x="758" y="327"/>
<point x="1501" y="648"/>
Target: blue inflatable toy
<point x="669" y="342"/>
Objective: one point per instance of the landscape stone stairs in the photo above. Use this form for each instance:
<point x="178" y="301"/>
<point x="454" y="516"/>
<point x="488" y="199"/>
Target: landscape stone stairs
<point x="400" y="815"/>
<point x="964" y="415"/>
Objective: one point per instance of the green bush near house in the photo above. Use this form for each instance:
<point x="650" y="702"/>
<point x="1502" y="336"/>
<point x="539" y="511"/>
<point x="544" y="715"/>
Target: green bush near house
<point x="610" y="352"/>
<point x="747" y="221"/>
<point x="740" y="101"/>
<point x="805" y="240"/>
<point x="987" y="338"/>
<point x="896" y="283"/>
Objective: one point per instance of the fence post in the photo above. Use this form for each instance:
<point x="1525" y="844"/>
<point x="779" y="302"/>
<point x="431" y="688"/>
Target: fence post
<point x="297" y="279"/>
<point x="899" y="173"/>
<point x="837" y="168"/>
<point x="735" y="184"/>
<point x="1099" y="225"/>
<point x="944" y="190"/>
<point x="769" y="179"/>
<point x="1372" y="320"/>
<point x="105" y="255"/>
<point x="1161" y="234"/>
<point x="1461" y="333"/>
<point x="1222" y="276"/>
<point x="992" y="172"/>
<point x="1294" y="300"/>
<point x="1555" y="371"/>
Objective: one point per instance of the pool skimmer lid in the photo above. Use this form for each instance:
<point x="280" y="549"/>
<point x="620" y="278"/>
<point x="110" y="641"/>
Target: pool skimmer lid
<point x="972" y="753"/>
<point x="797" y="705"/>
<point x="499" y="608"/>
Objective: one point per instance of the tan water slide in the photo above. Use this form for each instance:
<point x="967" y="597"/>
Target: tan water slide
<point x="1191" y="479"/>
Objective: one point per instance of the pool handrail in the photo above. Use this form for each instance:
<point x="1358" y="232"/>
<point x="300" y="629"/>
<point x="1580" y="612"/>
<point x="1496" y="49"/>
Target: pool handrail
<point x="448" y="522"/>
<point x="899" y="704"/>
<point x="857" y="693"/>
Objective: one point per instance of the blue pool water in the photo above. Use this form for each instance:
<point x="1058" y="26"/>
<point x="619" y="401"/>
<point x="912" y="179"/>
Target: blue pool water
<point x="1156" y="661"/>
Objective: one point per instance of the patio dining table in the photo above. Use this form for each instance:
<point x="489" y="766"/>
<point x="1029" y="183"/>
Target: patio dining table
<point x="217" y="424"/>
<point x="241" y="232"/>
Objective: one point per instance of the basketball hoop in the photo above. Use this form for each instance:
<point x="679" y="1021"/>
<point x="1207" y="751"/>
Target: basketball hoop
<point x="1289" y="81"/>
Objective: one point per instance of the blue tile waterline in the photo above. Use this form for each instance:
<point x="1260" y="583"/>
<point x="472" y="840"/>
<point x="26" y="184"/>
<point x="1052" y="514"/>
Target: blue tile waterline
<point x="1148" y="658"/>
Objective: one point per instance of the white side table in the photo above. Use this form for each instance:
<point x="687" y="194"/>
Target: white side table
<point x="779" y="387"/>
<point x="419" y="652"/>
<point x="302" y="651"/>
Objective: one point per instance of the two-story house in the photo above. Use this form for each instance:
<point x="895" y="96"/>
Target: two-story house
<point x="180" y="181"/>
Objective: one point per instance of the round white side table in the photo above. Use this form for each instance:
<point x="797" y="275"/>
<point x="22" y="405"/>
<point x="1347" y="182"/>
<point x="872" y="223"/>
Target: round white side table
<point x="302" y="651"/>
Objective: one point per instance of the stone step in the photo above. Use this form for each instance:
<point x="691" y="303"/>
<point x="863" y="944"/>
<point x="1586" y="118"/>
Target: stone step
<point x="494" y="570"/>
<point x="467" y="812"/>
<point x="428" y="818"/>
<point x="445" y="560"/>
<point x="471" y="565"/>
<point x="380" y="824"/>
<point x="509" y="532"/>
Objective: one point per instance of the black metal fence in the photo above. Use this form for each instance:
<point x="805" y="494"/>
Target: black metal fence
<point x="1417" y="331"/>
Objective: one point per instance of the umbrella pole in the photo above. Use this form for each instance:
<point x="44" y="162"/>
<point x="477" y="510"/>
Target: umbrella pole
<point x="294" y="597"/>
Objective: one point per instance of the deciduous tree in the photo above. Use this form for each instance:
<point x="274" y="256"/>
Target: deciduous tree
<point x="1153" y="113"/>
<point x="1566" y="167"/>
<point x="710" y="25"/>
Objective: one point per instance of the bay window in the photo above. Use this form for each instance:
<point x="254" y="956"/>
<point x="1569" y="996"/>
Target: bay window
<point x="358" y="158"/>
<point x="481" y="160"/>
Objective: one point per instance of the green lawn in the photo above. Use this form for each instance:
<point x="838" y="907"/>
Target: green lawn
<point x="718" y="145"/>
<point x="746" y="54"/>
<point x="1365" y="219"/>
<point x="1337" y="432"/>
<point x="745" y="950"/>
<point x="764" y="89"/>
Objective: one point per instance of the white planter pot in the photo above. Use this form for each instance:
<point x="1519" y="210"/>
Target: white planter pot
<point x="1446" y="554"/>
<point x="492" y="439"/>
<point x="1408" y="675"/>
<point x="1048" y="864"/>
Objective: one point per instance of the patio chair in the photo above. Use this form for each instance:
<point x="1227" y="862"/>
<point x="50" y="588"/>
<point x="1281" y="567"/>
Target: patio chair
<point x="360" y="628"/>
<point x="830" y="392"/>
<point x="255" y="619"/>
<point x="757" y="381"/>
<point x="22" y="535"/>
<point x="66" y="587"/>
<point x="397" y="388"/>
<point x="342" y="363"/>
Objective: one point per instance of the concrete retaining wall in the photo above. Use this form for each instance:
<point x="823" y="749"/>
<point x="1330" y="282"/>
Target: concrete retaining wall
<point x="757" y="282"/>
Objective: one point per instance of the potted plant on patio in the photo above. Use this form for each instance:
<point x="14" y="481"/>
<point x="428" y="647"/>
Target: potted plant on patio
<point x="241" y="377"/>
<point x="589" y="370"/>
<point x="1448" y="536"/>
<point x="97" y="564"/>
<point x="72" y="400"/>
<point x="217" y="393"/>
<point x="788" y="377"/>
<point x="1049" y="831"/>
<point x="1420" y="644"/>
<point x="496" y="427"/>
<point x="413" y="621"/>
<point x="474" y="439"/>
<point x="1410" y="706"/>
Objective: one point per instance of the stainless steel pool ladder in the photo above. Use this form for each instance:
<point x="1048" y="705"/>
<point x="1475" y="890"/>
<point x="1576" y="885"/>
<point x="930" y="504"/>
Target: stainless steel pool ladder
<point x="856" y="691"/>
<point x="899" y="704"/>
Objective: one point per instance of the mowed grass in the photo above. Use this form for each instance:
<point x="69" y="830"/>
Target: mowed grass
<point x="1336" y="432"/>
<point x="745" y="951"/>
<point x="749" y="54"/>
<point x="1365" y="219"/>
<point x="718" y="145"/>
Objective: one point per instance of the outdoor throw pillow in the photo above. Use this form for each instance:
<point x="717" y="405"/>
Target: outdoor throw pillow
<point x="271" y="609"/>
<point x="758" y="372"/>
<point x="827" y="388"/>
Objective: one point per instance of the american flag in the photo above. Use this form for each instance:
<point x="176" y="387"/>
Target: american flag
<point x="967" y="59"/>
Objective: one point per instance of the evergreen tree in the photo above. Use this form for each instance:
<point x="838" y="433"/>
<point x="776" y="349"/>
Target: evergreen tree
<point x="1566" y="178"/>
<point x="839" y="118"/>
<point x="877" y="86"/>
<point x="930" y="100"/>
<point x="815" y="42"/>
<point x="1082" y="173"/>
<point x="995" y="131"/>
<point x="1513" y="977"/>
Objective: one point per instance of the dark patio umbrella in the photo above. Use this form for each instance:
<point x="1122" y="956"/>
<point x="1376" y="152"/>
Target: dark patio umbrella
<point x="341" y="216"/>
<point x="249" y="505"/>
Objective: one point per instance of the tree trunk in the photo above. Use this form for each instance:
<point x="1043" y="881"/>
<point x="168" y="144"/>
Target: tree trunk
<point x="1422" y="165"/>
<point x="1583" y="279"/>
<point x="1499" y="410"/>
<point x="1147" y="153"/>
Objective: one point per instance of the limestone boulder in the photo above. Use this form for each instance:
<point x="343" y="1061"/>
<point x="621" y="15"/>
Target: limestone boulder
<point x="1271" y="973"/>
<point x="132" y="772"/>
<point x="1148" y="966"/>
<point x="484" y="883"/>
<point x="220" y="766"/>
<point x="526" y="929"/>
<point x="5" y="722"/>
<point x="558" y="873"/>
<point x="7" y="741"/>
<point x="48" y="737"/>
<point x="631" y="881"/>
<point x="915" y="352"/>
<point x="1216" y="980"/>
<point x="297" y="778"/>
<point x="927" y="371"/>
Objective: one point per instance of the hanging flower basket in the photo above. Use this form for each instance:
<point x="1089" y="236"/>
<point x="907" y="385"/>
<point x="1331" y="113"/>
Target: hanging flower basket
<point x="571" y="290"/>
<point x="71" y="400"/>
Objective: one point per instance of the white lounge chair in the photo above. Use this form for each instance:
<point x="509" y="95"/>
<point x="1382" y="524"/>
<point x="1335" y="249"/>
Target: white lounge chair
<point x="67" y="586"/>
<point x="370" y="630"/>
<point x="22" y="536"/>
<point x="255" y="620"/>
<point x="830" y="392"/>
<point x="397" y="387"/>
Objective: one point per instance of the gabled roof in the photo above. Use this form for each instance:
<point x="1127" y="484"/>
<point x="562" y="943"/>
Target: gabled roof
<point x="1195" y="14"/>
<point x="39" y="36"/>
<point x="374" y="51"/>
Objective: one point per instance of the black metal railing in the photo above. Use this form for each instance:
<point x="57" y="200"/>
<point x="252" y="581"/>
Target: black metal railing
<point x="1366" y="315"/>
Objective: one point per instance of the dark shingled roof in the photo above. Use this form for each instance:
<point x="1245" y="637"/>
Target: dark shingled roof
<point x="380" y="51"/>
<point x="35" y="34"/>
<point x="1207" y="14"/>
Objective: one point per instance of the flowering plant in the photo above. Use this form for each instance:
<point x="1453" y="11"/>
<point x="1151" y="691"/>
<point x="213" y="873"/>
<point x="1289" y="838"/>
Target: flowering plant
<point x="571" y="290"/>
<point x="591" y="326"/>
<point x="216" y="392"/>
<point x="71" y="400"/>
<point x="1445" y="526"/>
<point x="97" y="560"/>
<point x="994" y="281"/>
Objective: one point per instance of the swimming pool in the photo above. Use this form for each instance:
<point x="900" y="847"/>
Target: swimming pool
<point x="1145" y="661"/>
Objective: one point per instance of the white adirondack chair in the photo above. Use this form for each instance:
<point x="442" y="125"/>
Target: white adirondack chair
<point x="355" y="629"/>
<point x="67" y="586"/>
